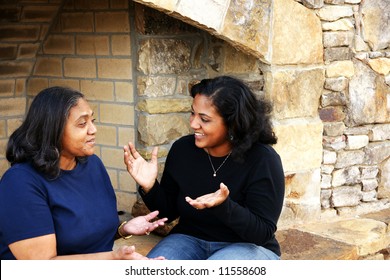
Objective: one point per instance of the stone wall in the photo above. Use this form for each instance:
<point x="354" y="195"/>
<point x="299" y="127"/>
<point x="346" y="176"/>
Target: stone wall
<point x="324" y="64"/>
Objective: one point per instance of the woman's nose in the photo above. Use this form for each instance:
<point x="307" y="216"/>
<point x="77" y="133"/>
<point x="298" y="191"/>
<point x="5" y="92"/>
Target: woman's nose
<point x="194" y="123"/>
<point x="92" y="129"/>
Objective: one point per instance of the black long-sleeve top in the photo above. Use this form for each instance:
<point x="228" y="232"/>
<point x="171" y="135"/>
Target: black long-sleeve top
<point x="250" y="213"/>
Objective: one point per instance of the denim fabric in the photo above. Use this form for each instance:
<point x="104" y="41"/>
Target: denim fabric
<point x="185" y="247"/>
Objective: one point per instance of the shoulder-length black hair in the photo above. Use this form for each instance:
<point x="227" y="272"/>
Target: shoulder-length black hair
<point x="246" y="117"/>
<point x="39" y="138"/>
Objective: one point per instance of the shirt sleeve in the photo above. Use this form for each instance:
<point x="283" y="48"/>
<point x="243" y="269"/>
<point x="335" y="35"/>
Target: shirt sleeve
<point x="163" y="197"/>
<point x="24" y="211"/>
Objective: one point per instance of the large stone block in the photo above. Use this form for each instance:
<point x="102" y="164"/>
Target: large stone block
<point x="294" y="93"/>
<point x="156" y="86"/>
<point x="162" y="106"/>
<point x="296" y="34"/>
<point x="376" y="23"/>
<point x="162" y="128"/>
<point x="368" y="96"/>
<point x="164" y="56"/>
<point x="247" y="26"/>
<point x="299" y="144"/>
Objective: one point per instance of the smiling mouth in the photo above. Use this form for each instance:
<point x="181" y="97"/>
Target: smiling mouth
<point x="198" y="135"/>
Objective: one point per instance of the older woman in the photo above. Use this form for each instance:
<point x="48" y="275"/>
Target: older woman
<point x="225" y="181"/>
<point x="57" y="201"/>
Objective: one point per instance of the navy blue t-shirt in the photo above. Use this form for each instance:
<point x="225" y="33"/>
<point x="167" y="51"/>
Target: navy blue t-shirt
<point x="79" y="207"/>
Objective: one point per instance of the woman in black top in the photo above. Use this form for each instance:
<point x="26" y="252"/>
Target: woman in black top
<point x="225" y="181"/>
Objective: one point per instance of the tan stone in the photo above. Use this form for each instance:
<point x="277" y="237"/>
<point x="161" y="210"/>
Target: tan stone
<point x="161" y="105"/>
<point x="339" y="69"/>
<point x="212" y="16"/>
<point x="380" y="65"/>
<point x="343" y="24"/>
<point x="247" y="27"/>
<point x="164" y="56"/>
<point x="294" y="93"/>
<point x="238" y="62"/>
<point x="369" y="236"/>
<point x="162" y="128"/>
<point x="301" y="44"/>
<point x="375" y="19"/>
<point x="303" y="185"/>
<point x="168" y="5"/>
<point x="156" y="86"/>
<point x="299" y="144"/>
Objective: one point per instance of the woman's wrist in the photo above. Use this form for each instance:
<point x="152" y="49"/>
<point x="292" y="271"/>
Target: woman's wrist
<point x="122" y="232"/>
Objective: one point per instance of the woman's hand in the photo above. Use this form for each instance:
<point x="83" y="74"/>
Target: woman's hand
<point x="210" y="200"/>
<point x="144" y="173"/>
<point x="129" y="253"/>
<point x="141" y="225"/>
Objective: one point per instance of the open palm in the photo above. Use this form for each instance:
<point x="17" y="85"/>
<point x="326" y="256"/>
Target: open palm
<point x="143" y="172"/>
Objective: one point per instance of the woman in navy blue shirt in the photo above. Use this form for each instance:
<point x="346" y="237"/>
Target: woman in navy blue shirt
<point x="57" y="201"/>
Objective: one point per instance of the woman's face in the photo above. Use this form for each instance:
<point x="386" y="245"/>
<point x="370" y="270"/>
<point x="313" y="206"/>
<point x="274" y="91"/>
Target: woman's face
<point x="209" y="127"/>
<point x="79" y="133"/>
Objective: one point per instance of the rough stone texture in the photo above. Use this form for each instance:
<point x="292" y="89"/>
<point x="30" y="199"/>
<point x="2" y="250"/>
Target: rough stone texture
<point x="300" y="245"/>
<point x="376" y="23"/>
<point x="165" y="56"/>
<point x="156" y="86"/>
<point x="294" y="93"/>
<point x="368" y="97"/>
<point x="300" y="140"/>
<point x="162" y="106"/>
<point x="384" y="184"/>
<point x="346" y="196"/>
<point x="162" y="128"/>
<point x="304" y="41"/>
<point x="369" y="236"/>
<point x="247" y="24"/>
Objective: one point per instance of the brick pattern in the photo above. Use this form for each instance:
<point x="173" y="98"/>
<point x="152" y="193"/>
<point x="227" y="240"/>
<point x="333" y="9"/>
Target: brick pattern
<point x="23" y="26"/>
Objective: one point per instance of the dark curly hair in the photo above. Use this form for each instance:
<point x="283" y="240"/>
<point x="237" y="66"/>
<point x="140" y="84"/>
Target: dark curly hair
<point x="39" y="139"/>
<point x="246" y="117"/>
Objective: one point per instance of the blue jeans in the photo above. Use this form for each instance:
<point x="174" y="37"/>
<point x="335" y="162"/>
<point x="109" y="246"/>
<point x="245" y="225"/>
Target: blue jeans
<point x="185" y="247"/>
